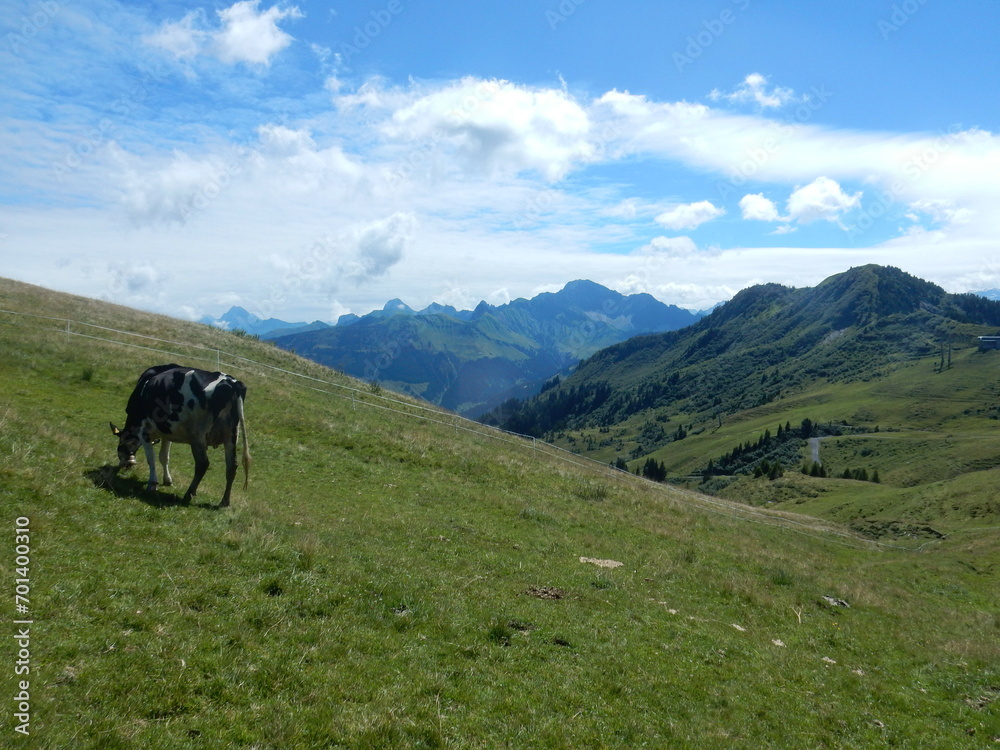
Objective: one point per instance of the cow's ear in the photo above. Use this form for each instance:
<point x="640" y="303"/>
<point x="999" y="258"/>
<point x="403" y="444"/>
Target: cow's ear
<point x="114" y="430"/>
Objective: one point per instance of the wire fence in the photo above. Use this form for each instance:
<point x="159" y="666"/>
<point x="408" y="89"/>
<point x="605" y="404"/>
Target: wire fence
<point x="372" y="398"/>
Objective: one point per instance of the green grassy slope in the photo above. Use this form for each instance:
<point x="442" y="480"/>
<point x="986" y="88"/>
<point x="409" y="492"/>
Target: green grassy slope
<point x="389" y="581"/>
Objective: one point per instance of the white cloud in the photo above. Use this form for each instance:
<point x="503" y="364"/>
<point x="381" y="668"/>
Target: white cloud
<point x="754" y="89"/>
<point x="170" y="192"/>
<point x="252" y="37"/>
<point x="472" y="156"/>
<point x="182" y="39"/>
<point x="356" y="255"/>
<point x="283" y="165"/>
<point x="941" y="211"/>
<point x="823" y="199"/>
<point x="497" y="127"/>
<point x="689" y="215"/>
<point x="244" y="34"/>
<point x="282" y="141"/>
<point x="671" y="247"/>
<point x="381" y="244"/>
<point x="755" y="207"/>
<point x="136" y="278"/>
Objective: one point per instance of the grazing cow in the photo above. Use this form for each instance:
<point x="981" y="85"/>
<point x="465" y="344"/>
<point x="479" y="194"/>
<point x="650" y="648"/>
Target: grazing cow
<point x="182" y="405"/>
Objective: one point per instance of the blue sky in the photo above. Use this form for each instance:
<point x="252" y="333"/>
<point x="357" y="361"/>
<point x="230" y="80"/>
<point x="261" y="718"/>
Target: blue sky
<point x="307" y="159"/>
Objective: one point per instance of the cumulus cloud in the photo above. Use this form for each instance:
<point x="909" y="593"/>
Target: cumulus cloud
<point x="136" y="279"/>
<point x="380" y="244"/>
<point x="292" y="163"/>
<point x="497" y="126"/>
<point x="243" y="34"/>
<point x="821" y="199"/>
<point x="754" y="90"/>
<point x="755" y="207"/>
<point x="252" y="37"/>
<point x="689" y="215"/>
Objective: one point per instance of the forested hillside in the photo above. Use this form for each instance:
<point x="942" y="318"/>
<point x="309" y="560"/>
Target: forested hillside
<point x="767" y="343"/>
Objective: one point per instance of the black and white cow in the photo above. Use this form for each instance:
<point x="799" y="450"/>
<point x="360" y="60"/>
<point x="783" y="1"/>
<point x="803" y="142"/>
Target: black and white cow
<point x="175" y="404"/>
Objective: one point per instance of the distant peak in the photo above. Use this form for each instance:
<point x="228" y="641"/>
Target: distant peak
<point x="397" y="305"/>
<point x="238" y="313"/>
<point x="584" y="285"/>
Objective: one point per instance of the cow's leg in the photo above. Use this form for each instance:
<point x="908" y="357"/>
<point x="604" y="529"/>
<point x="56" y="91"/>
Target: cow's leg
<point x="148" y="449"/>
<point x="165" y="462"/>
<point x="230" y="470"/>
<point x="200" y="453"/>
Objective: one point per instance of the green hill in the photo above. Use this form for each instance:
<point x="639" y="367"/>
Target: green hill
<point x="885" y="366"/>
<point x="394" y="577"/>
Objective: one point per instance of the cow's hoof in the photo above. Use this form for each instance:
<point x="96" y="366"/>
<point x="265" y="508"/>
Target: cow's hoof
<point x="151" y="487"/>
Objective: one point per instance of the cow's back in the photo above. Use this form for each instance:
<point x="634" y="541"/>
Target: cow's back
<point x="185" y="405"/>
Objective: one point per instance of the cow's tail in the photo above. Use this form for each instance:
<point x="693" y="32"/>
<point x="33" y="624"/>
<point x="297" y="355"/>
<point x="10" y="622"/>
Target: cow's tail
<point x="246" y="445"/>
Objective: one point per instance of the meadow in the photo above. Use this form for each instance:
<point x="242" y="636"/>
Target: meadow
<point x="395" y="578"/>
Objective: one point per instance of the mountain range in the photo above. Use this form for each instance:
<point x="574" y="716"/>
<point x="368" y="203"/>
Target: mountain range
<point x="471" y="361"/>
<point x="770" y="349"/>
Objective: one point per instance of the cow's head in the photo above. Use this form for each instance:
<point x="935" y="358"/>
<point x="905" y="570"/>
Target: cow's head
<point x="128" y="444"/>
